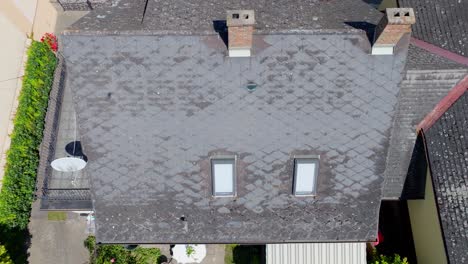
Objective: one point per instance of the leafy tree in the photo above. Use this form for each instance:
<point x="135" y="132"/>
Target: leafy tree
<point x="382" y="259"/>
<point x="4" y="257"/>
<point x="118" y="254"/>
<point x="146" y="255"/>
<point x="112" y="254"/>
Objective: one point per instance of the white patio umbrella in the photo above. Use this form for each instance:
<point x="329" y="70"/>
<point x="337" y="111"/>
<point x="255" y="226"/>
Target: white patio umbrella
<point x="179" y="252"/>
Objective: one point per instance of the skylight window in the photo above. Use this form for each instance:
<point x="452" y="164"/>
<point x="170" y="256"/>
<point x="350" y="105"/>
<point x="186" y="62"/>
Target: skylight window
<point x="223" y="174"/>
<point x="305" y="176"/>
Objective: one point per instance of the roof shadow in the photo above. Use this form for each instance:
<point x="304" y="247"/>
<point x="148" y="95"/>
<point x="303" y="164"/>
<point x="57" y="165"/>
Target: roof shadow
<point x="415" y="182"/>
<point x="74" y="149"/>
<point x="365" y="26"/>
<point x="220" y="26"/>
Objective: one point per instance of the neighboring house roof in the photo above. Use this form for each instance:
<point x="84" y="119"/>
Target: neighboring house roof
<point x="445" y="131"/>
<point x="420" y="92"/>
<point x="442" y="23"/>
<point x="431" y="74"/>
<point x="152" y="110"/>
<point x="421" y="59"/>
<point x="193" y="16"/>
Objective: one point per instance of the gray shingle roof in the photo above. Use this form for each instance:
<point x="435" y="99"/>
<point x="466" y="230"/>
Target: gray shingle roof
<point x="420" y="59"/>
<point x="447" y="147"/>
<point x="442" y="23"/>
<point x="152" y="110"/>
<point x="420" y="91"/>
<point x="193" y="16"/>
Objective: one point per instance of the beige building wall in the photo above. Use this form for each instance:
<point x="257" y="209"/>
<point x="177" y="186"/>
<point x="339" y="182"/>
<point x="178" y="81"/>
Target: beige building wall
<point x="38" y="16"/>
<point x="46" y="17"/>
<point x="426" y="228"/>
<point x="20" y="14"/>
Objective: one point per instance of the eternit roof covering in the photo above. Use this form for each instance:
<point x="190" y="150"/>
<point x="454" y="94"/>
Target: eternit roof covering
<point x="153" y="110"/>
<point x="447" y="147"/>
<point x="194" y="16"/>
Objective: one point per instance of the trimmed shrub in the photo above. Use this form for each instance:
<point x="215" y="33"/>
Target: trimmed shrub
<point x="17" y="192"/>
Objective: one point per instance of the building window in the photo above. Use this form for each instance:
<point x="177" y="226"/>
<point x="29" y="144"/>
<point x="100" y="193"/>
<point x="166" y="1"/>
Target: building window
<point x="305" y="176"/>
<point x="223" y="171"/>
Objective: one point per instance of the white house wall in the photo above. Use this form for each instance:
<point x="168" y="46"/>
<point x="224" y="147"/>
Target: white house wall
<point x="320" y="253"/>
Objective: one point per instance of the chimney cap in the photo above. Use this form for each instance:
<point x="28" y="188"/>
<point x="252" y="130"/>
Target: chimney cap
<point x="236" y="18"/>
<point x="400" y="16"/>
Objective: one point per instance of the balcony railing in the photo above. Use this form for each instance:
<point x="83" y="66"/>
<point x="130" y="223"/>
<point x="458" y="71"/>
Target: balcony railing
<point x="64" y="194"/>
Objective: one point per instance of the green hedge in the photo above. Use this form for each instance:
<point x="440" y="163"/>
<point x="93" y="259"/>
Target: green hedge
<point x="17" y="192"/>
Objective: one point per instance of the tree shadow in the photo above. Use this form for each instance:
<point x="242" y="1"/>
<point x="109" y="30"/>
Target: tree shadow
<point x="162" y="259"/>
<point x="220" y="27"/>
<point x="248" y="254"/>
<point x="365" y="26"/>
<point x="16" y="242"/>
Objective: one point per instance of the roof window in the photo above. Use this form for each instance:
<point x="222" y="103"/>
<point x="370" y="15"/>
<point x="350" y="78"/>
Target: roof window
<point x="305" y="176"/>
<point x="223" y="176"/>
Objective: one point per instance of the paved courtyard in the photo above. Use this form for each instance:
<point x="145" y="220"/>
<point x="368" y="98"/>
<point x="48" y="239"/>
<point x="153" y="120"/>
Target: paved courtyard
<point x="57" y="241"/>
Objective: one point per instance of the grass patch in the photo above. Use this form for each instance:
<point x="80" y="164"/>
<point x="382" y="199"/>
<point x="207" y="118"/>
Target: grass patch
<point x="56" y="216"/>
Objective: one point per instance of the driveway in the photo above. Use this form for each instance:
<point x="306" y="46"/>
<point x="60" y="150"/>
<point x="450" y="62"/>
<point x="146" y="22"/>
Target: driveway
<point x="57" y="241"/>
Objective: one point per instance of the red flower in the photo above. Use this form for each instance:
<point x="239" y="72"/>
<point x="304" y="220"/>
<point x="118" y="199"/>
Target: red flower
<point x="51" y="41"/>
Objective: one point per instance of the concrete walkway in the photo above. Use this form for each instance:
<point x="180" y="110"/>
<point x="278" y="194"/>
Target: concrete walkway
<point x="57" y="241"/>
<point x="11" y="69"/>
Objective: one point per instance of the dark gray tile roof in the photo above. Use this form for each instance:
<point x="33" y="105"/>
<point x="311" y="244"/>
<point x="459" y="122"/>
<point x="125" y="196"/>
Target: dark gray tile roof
<point x="447" y="147"/>
<point x="420" y="59"/>
<point x="152" y="110"/>
<point x="419" y="93"/>
<point x="190" y="16"/>
<point x="442" y="23"/>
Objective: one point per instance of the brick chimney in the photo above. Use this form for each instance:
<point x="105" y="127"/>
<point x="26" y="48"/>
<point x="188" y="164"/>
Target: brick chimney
<point x="240" y="25"/>
<point x="396" y="23"/>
